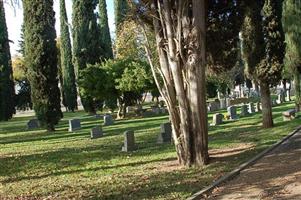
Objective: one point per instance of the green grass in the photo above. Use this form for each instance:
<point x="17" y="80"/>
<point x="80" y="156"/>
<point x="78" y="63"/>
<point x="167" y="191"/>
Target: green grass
<point x="62" y="165"/>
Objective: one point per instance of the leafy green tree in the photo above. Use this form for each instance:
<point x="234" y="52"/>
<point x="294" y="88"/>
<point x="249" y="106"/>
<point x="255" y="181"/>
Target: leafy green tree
<point x="68" y="74"/>
<point x="7" y="91"/>
<point x="130" y="80"/>
<point x="86" y="44"/>
<point x="292" y="29"/>
<point x="263" y="48"/>
<point x="41" y="60"/>
<point x="96" y="82"/>
<point x="105" y="37"/>
<point x="222" y="39"/>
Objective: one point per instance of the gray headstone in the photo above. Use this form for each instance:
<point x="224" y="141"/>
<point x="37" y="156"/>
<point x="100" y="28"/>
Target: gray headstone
<point x="244" y="111"/>
<point x="129" y="141"/>
<point x="74" y="124"/>
<point x="214" y="106"/>
<point x="232" y="112"/>
<point x="33" y="124"/>
<point x="251" y="107"/>
<point x="108" y="120"/>
<point x="217" y="119"/>
<point x="165" y="135"/>
<point x="96" y="132"/>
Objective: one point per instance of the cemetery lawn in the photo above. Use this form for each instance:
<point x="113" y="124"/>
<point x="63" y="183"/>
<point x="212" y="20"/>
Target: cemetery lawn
<point x="61" y="165"/>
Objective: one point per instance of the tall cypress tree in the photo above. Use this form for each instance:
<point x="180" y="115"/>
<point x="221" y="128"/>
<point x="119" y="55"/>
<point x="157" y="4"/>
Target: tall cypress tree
<point x="41" y="59"/>
<point x="68" y="75"/>
<point x="263" y="48"/>
<point x="7" y="90"/>
<point x="292" y="29"/>
<point x="121" y="8"/>
<point x="105" y="36"/>
<point x="86" y="43"/>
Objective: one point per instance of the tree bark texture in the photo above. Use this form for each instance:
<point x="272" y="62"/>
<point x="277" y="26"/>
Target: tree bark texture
<point x="180" y="39"/>
<point x="267" y="117"/>
<point x="297" y="91"/>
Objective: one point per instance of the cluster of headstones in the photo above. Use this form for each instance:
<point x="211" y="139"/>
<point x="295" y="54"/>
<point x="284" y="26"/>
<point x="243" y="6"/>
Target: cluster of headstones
<point x="218" y="104"/>
<point x="246" y="109"/>
<point x="96" y="132"/>
<point x="165" y="136"/>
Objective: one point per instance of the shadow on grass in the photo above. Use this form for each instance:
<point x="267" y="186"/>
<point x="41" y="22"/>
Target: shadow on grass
<point x="106" y="167"/>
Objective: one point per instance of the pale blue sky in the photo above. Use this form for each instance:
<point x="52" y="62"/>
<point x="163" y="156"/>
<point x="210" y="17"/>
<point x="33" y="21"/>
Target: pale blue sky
<point x="14" y="19"/>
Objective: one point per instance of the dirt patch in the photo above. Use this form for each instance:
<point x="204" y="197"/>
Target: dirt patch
<point x="219" y="153"/>
<point x="275" y="176"/>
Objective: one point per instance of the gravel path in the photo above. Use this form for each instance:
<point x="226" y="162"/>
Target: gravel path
<point x="275" y="176"/>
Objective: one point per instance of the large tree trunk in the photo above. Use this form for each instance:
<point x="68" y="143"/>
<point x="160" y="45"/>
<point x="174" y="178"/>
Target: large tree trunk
<point x="297" y="91"/>
<point x="183" y="73"/>
<point x="267" y="117"/>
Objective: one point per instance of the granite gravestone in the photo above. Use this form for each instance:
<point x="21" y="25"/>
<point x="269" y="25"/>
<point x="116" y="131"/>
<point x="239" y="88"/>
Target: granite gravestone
<point x="33" y="124"/>
<point x="74" y="124"/>
<point x="108" y="120"/>
<point x="129" y="141"/>
<point x="96" y="132"/>
<point x="232" y="112"/>
<point x="165" y="135"/>
<point x="244" y="111"/>
<point x="217" y="119"/>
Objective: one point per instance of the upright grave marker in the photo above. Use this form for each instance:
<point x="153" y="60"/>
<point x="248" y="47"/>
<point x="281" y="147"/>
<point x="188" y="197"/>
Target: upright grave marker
<point x="129" y="142"/>
<point x="74" y="124"/>
<point x="165" y="135"/>
<point x="33" y="124"/>
<point x="96" y="132"/>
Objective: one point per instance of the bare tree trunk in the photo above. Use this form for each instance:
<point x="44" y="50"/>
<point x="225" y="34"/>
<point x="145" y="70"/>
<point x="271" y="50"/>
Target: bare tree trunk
<point x="183" y="73"/>
<point x="297" y="91"/>
<point x="267" y="117"/>
<point x="284" y="88"/>
<point x="197" y="89"/>
<point x="121" y="109"/>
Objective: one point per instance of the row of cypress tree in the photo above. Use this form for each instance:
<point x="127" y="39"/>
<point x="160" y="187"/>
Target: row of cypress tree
<point x="91" y="44"/>
<point x="7" y="91"/>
